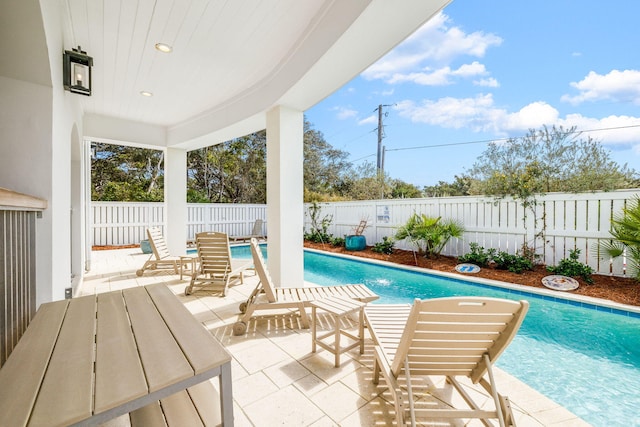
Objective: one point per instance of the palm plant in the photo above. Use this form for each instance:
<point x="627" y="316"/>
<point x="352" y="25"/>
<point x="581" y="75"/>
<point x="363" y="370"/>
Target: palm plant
<point x="625" y="230"/>
<point x="429" y="235"/>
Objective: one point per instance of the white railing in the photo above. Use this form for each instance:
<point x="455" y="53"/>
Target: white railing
<point x="558" y="223"/>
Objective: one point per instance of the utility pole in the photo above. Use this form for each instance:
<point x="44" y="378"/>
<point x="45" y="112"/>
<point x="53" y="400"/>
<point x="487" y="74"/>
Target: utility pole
<point x="380" y="135"/>
<point x="380" y="163"/>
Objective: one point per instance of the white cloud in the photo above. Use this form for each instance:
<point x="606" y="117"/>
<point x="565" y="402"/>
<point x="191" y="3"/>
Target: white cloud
<point x="480" y="114"/>
<point x="368" y="120"/>
<point x="619" y="86"/>
<point x="489" y="82"/>
<point x="343" y="113"/>
<point x="433" y="46"/>
<point x="476" y="113"/>
<point x="440" y="77"/>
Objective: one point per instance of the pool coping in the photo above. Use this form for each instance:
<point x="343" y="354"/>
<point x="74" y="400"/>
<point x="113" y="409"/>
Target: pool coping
<point x="593" y="303"/>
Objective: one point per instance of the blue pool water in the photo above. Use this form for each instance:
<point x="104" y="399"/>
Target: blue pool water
<point x="585" y="359"/>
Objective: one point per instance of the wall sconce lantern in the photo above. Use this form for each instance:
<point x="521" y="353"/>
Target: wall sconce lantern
<point x="77" y="71"/>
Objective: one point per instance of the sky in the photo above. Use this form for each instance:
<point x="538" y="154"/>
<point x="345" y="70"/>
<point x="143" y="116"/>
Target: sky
<point x="482" y="71"/>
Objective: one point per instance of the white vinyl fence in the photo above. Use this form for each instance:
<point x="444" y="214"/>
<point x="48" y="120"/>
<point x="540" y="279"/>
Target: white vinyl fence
<point x="558" y="223"/>
<point x="124" y="223"/>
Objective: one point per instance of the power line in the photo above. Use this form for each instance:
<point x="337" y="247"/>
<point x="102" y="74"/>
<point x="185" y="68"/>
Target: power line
<point x="451" y="144"/>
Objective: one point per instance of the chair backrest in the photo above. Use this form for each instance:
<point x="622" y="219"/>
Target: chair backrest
<point x="449" y="336"/>
<point x="257" y="228"/>
<point x="262" y="272"/>
<point x="214" y="253"/>
<point x="157" y="243"/>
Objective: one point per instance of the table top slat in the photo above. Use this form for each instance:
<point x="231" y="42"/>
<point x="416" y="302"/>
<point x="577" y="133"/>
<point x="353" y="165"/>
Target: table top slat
<point x="196" y="342"/>
<point x="179" y="410"/>
<point x="66" y="394"/>
<point x="119" y="374"/>
<point x="162" y="359"/>
<point x="22" y="373"/>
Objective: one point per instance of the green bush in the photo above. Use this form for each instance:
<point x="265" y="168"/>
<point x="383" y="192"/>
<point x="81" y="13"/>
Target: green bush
<point x="571" y="267"/>
<point x="513" y="263"/>
<point x="428" y="234"/>
<point x="337" y="241"/>
<point x="384" y="247"/>
<point x="478" y="255"/>
<point x="625" y="230"/>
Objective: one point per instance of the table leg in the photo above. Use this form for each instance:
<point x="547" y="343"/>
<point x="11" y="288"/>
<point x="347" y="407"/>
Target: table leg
<point x="337" y="343"/>
<point x="361" y="330"/>
<point x="314" y="323"/>
<point x="226" y="395"/>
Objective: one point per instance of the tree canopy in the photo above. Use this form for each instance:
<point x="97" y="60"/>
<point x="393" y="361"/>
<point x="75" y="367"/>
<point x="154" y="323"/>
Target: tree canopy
<point x="546" y="160"/>
<point x="128" y="174"/>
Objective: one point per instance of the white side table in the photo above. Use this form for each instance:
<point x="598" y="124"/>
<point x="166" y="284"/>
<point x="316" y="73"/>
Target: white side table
<point x="338" y="308"/>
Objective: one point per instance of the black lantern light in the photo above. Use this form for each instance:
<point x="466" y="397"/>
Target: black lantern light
<point x="77" y="71"/>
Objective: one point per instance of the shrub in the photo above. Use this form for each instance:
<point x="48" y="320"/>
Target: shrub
<point x="572" y="267"/>
<point x="428" y="234"/>
<point x="625" y="230"/>
<point x="384" y="247"/>
<point x="319" y="226"/>
<point x="337" y="241"/>
<point x="513" y="263"/>
<point x="478" y="255"/>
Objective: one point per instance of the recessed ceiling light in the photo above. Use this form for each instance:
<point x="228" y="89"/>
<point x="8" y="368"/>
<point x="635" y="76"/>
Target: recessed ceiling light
<point x="164" y="48"/>
<point x="146" y="93"/>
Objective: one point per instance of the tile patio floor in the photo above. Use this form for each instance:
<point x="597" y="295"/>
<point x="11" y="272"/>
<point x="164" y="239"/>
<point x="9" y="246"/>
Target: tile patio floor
<point x="276" y="378"/>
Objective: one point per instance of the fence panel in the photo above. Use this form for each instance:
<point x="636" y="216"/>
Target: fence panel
<point x="555" y="225"/>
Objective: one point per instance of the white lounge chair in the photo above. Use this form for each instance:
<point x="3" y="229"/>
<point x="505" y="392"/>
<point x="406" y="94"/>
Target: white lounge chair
<point x="160" y="258"/>
<point x="266" y="296"/>
<point x="451" y="337"/>
<point x="216" y="268"/>
<point x="256" y="233"/>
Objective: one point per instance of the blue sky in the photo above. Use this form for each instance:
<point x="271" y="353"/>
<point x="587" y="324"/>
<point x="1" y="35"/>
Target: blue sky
<point x="486" y="70"/>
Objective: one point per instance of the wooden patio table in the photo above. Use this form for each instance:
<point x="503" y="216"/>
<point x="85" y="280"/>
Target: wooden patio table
<point x="90" y="359"/>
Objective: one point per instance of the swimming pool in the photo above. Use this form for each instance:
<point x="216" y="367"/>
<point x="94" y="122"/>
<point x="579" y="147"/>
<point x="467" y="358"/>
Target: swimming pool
<point x="586" y="359"/>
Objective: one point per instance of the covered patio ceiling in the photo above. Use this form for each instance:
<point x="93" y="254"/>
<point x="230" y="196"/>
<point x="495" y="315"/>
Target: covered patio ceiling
<point x="231" y="61"/>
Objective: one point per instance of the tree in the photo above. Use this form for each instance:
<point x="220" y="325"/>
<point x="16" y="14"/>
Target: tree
<point x="547" y="160"/>
<point x="232" y="172"/>
<point x="404" y="190"/>
<point x="364" y="183"/>
<point x="324" y="166"/>
<point x="121" y="173"/>
<point x="460" y="187"/>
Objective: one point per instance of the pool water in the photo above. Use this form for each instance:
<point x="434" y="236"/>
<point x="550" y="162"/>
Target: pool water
<point x="587" y="360"/>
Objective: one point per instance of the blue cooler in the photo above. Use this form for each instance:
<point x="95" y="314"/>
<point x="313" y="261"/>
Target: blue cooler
<point x="145" y="246"/>
<point x="355" y="243"/>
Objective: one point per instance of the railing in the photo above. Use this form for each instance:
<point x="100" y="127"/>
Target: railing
<point x="558" y="222"/>
<point x="17" y="266"/>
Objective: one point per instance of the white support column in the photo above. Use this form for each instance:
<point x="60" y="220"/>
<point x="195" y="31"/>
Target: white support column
<point x="175" y="200"/>
<point x="285" y="216"/>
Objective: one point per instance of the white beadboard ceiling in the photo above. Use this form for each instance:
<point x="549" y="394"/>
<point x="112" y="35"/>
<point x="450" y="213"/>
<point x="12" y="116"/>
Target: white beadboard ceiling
<point x="220" y="49"/>
<point x="232" y="60"/>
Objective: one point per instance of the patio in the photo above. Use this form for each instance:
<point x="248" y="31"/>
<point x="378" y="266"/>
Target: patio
<point x="276" y="378"/>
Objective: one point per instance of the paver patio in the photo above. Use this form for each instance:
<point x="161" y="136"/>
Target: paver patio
<point x="276" y="378"/>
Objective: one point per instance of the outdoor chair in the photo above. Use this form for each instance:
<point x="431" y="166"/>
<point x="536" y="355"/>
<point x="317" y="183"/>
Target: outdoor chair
<point x="256" y="233"/>
<point x="266" y="296"/>
<point x="216" y="268"/>
<point x="160" y="258"/>
<point x="450" y="337"/>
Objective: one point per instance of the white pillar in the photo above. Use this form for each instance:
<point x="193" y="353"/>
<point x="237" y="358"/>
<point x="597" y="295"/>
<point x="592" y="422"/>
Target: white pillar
<point x="285" y="215"/>
<point x="175" y="200"/>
